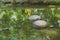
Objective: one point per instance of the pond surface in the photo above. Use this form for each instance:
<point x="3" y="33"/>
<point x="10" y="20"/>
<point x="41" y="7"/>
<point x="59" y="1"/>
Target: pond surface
<point x="15" y="25"/>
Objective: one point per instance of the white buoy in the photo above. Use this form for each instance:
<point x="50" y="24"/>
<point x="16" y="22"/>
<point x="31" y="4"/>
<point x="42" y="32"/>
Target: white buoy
<point x="34" y="17"/>
<point x="40" y="23"/>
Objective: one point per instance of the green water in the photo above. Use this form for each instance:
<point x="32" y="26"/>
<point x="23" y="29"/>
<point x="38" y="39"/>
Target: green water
<point x="20" y="28"/>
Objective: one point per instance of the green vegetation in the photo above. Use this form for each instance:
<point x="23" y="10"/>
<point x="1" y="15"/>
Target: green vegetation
<point x="14" y="24"/>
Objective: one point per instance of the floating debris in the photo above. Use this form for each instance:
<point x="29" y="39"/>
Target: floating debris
<point x="40" y="23"/>
<point x="59" y="22"/>
<point x="14" y="17"/>
<point x="51" y="25"/>
<point x="34" y="17"/>
<point x="36" y="11"/>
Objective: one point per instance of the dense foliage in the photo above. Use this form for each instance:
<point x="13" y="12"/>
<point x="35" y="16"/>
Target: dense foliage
<point x="56" y="2"/>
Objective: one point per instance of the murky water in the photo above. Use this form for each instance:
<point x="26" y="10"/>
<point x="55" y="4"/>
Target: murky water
<point x="15" y="24"/>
